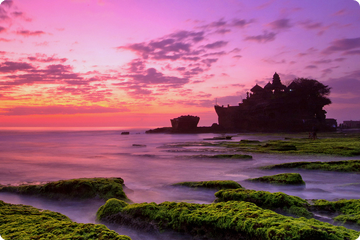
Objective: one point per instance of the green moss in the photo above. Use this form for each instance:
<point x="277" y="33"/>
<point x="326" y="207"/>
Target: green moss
<point x="220" y="184"/>
<point x="21" y="222"/>
<point x="280" y="146"/>
<point x="228" y="220"/>
<point x="344" y="146"/>
<point x="348" y="210"/>
<point x="103" y="188"/>
<point x="274" y="201"/>
<point x="111" y="207"/>
<point x="232" y="156"/>
<point x="282" y="178"/>
<point x="249" y="141"/>
<point x="340" y="166"/>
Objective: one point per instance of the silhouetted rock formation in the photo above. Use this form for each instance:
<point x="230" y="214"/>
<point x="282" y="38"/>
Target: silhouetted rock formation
<point x="298" y="107"/>
<point x="185" y="123"/>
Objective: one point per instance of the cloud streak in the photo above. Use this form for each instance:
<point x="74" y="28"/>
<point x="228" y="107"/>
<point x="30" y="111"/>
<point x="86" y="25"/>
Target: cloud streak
<point x="345" y="45"/>
<point x="59" y="110"/>
<point x="28" y="33"/>
<point x="262" y="38"/>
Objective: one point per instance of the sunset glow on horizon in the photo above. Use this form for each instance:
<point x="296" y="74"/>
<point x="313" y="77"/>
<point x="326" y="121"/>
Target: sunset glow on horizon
<point x="100" y="63"/>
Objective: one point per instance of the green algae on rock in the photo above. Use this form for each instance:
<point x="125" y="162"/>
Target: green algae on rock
<point x="274" y="201"/>
<point x="232" y="156"/>
<point x="219" y="184"/>
<point x="339" y="166"/>
<point x="19" y="222"/>
<point x="343" y="146"/>
<point x="349" y="210"/>
<point x="224" y="220"/>
<point x="282" y="178"/>
<point x="82" y="188"/>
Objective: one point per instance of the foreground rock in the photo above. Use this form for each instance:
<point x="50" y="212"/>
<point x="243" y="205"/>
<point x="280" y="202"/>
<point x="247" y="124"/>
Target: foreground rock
<point x="224" y="220"/>
<point x="341" y="146"/>
<point x="220" y="184"/>
<point x="275" y="201"/>
<point x="347" y="211"/>
<point x="282" y="178"/>
<point x="338" y="166"/>
<point x="19" y="222"/>
<point x="82" y="188"/>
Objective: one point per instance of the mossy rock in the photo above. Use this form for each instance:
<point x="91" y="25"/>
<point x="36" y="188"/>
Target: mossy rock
<point x="19" y="222"/>
<point x="232" y="156"/>
<point x="264" y="199"/>
<point x="338" y="166"/>
<point x="220" y="184"/>
<point x="343" y="146"/>
<point x="282" y="178"/>
<point x="224" y="220"/>
<point x="112" y="206"/>
<point x="249" y="141"/>
<point x="280" y="147"/>
<point x="348" y="211"/>
<point x="81" y="188"/>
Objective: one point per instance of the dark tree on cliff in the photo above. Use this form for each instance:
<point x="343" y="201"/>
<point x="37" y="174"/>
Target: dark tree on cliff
<point x="311" y="96"/>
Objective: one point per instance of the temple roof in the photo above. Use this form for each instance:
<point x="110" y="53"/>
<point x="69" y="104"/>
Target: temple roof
<point x="256" y="88"/>
<point x="292" y="85"/>
<point x="268" y="86"/>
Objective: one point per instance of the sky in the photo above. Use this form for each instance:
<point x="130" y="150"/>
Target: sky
<point x="139" y="63"/>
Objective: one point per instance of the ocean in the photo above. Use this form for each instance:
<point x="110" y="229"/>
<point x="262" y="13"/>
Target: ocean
<point x="149" y="164"/>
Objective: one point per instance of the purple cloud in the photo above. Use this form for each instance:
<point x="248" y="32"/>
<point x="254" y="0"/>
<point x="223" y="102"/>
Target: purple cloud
<point x="2" y="29"/>
<point x="17" y="14"/>
<point x="216" y="24"/>
<point x="308" y="24"/>
<point x="347" y="86"/>
<point x="353" y="52"/>
<point x="3" y="14"/>
<point x="223" y="31"/>
<point x="145" y="83"/>
<point x="217" y="44"/>
<point x="8" y="67"/>
<point x="222" y="24"/>
<point x="342" y="45"/>
<point x="324" y="61"/>
<point x="172" y="47"/>
<point x="153" y="77"/>
<point x="209" y="61"/>
<point x="180" y="48"/>
<point x="311" y="67"/>
<point x="240" y="23"/>
<point x="45" y="59"/>
<point x="340" y="12"/>
<point x="193" y="36"/>
<point x="264" y="38"/>
<point x="221" y="53"/>
<point x="27" y="33"/>
<point x="281" y="24"/>
<point x="136" y="66"/>
<point x="54" y="73"/>
<point x="7" y="3"/>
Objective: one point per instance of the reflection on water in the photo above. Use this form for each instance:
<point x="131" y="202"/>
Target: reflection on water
<point x="41" y="156"/>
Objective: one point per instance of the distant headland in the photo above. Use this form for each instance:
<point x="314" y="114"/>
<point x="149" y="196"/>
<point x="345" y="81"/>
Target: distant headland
<point x="272" y="108"/>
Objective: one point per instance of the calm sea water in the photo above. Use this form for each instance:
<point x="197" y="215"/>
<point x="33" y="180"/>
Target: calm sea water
<point x="42" y="155"/>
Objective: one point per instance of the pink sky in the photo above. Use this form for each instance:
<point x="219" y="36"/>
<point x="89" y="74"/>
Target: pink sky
<point x="139" y="63"/>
